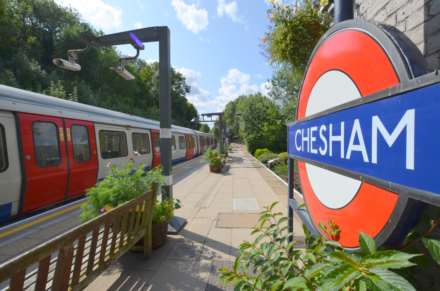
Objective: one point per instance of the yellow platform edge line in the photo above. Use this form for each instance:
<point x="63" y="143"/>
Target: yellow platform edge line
<point x="39" y="220"/>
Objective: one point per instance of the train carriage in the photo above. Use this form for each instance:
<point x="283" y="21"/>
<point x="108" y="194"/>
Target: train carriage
<point x="53" y="150"/>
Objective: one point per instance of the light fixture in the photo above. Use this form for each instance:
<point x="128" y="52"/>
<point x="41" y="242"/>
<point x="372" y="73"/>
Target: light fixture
<point x="69" y="64"/>
<point x="122" y="71"/>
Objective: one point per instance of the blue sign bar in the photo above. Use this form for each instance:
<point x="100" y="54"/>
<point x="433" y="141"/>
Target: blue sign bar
<point x="394" y="139"/>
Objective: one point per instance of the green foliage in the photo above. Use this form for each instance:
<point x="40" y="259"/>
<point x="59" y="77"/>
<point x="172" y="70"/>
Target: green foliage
<point x="264" y="158"/>
<point x="163" y="211"/>
<point x="259" y="152"/>
<point x="284" y="156"/>
<point x="213" y="157"/>
<point x="294" y="32"/>
<point x="34" y="32"/>
<point x="281" y="169"/>
<point x="120" y="186"/>
<point x="433" y="247"/>
<point x="257" y="121"/>
<point x="272" y="262"/>
<point x="204" y="128"/>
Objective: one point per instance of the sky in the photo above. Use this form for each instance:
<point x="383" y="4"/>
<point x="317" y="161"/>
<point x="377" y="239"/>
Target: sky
<point x="215" y="44"/>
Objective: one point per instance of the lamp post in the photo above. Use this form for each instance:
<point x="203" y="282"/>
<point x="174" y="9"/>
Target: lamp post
<point x="136" y="38"/>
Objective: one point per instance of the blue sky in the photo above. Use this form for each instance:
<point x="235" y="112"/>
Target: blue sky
<point x="216" y="44"/>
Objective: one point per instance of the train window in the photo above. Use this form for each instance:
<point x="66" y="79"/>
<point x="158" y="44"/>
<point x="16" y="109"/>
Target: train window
<point x="47" y="149"/>
<point x="141" y="143"/>
<point x="113" y="144"/>
<point x="3" y="151"/>
<point x="182" y="144"/>
<point x="80" y="141"/>
<point x="173" y="142"/>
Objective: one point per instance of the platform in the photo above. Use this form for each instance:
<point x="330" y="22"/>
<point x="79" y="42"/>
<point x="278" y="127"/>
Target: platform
<point x="221" y="210"/>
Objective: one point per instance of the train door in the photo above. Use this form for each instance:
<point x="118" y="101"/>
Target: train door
<point x="10" y="173"/>
<point x="83" y="161"/>
<point x="141" y="149"/>
<point x="173" y="147"/>
<point x="155" y="143"/>
<point x="45" y="162"/>
<point x="112" y="148"/>
<point x="189" y="154"/>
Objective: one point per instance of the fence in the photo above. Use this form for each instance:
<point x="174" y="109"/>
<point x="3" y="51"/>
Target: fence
<point x="74" y="259"/>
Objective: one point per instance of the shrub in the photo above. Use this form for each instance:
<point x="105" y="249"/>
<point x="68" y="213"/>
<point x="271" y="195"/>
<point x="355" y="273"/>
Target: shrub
<point x="283" y="157"/>
<point x="259" y="152"/>
<point x="163" y="211"/>
<point x="264" y="158"/>
<point x="272" y="262"/>
<point x="281" y="170"/>
<point x="122" y="185"/>
<point x="213" y="157"/>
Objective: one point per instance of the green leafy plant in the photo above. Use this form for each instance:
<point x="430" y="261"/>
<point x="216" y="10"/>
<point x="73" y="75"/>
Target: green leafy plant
<point x="163" y="211"/>
<point x="213" y="157"/>
<point x="272" y="262"/>
<point x="259" y="152"/>
<point x="283" y="157"/>
<point x="294" y="32"/>
<point x="264" y="158"/>
<point x="281" y="170"/>
<point x="121" y="185"/>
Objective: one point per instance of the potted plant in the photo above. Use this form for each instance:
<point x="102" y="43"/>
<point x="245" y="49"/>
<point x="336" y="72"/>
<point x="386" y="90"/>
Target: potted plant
<point x="122" y="185"/>
<point x="162" y="214"/>
<point x="215" y="161"/>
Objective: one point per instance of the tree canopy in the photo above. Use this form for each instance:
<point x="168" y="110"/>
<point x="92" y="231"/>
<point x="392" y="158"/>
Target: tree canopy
<point x="257" y="120"/>
<point x="33" y="32"/>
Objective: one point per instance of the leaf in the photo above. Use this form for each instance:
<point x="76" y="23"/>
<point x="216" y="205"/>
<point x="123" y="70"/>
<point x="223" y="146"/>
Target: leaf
<point x="339" y="278"/>
<point x="389" y="259"/>
<point x="393" y="279"/>
<point x="433" y="247"/>
<point x="367" y="243"/>
<point x="362" y="285"/>
<point x="296" y="283"/>
<point x="315" y="270"/>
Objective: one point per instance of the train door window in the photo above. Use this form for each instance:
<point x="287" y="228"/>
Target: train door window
<point x="141" y="143"/>
<point x="80" y="141"/>
<point x="47" y="150"/>
<point x="157" y="144"/>
<point x="182" y="142"/>
<point x="3" y="151"/>
<point x="113" y="144"/>
<point x="173" y="142"/>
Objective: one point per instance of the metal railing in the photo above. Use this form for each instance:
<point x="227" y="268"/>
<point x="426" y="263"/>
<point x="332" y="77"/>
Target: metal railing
<point x="75" y="258"/>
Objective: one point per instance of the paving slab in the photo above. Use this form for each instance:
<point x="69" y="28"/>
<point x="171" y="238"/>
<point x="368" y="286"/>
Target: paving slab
<point x="221" y="210"/>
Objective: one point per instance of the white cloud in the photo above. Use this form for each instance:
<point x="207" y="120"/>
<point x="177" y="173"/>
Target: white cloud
<point x="265" y="88"/>
<point x="228" y="9"/>
<point x="138" y="25"/>
<point x="97" y="12"/>
<point x="197" y="96"/>
<point x="195" y="19"/>
<point x="234" y="84"/>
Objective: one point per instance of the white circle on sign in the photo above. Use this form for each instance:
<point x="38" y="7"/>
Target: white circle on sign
<point x="332" y="89"/>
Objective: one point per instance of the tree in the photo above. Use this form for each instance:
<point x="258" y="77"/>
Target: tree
<point x="258" y="121"/>
<point x="32" y="32"/>
<point x="204" y="128"/>
<point x="295" y="30"/>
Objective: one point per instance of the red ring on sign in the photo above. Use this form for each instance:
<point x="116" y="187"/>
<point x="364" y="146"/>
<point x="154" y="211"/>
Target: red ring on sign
<point x="364" y="60"/>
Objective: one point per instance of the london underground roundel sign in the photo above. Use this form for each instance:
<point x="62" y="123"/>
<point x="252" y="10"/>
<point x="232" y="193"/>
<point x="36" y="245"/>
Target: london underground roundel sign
<point x="361" y="137"/>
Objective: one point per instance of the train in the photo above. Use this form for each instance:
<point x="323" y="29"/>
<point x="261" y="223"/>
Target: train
<point x="52" y="150"/>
